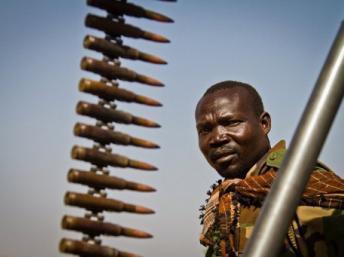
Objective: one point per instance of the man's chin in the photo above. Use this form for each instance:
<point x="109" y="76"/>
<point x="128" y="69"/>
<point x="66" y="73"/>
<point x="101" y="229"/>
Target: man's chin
<point x="230" y="173"/>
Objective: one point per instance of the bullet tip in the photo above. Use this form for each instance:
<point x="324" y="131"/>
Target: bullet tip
<point x="155" y="37"/>
<point x="149" y="81"/>
<point x="151" y="58"/>
<point x="146" y="100"/>
<point x="158" y="17"/>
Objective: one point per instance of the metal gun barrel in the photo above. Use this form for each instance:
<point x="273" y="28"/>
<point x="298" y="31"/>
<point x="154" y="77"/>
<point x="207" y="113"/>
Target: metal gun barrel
<point x="280" y="205"/>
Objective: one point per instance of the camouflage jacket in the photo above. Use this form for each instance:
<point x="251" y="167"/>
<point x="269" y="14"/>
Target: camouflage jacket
<point x="317" y="229"/>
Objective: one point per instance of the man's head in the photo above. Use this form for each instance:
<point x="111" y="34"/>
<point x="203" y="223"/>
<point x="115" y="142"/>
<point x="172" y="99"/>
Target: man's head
<point x="232" y="128"/>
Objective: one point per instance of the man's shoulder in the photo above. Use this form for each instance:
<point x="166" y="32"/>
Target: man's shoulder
<point x="277" y="154"/>
<point x="324" y="188"/>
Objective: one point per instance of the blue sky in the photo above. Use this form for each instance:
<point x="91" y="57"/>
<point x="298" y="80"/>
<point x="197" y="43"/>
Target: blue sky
<point x="277" y="46"/>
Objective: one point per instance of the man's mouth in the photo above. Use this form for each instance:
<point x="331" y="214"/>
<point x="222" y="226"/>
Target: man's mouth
<point x="225" y="159"/>
<point x="222" y="156"/>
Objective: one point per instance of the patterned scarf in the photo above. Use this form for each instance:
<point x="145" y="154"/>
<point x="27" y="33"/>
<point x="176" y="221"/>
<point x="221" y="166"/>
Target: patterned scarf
<point x="324" y="189"/>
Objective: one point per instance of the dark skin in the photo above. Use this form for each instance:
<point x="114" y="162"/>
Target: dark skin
<point x="232" y="137"/>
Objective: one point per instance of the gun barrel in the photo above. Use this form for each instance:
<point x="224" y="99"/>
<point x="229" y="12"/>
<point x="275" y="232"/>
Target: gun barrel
<point x="95" y="203"/>
<point x="120" y="8"/>
<point x="110" y="93"/>
<point x="111" y="71"/>
<point x="104" y="181"/>
<point x="95" y="228"/>
<point x="111" y="115"/>
<point x="119" y="29"/>
<point x="103" y="159"/>
<point x="270" y="229"/>
<point x="86" y="249"/>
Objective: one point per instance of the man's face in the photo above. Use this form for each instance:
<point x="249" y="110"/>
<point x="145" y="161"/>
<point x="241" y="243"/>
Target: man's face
<point x="231" y="136"/>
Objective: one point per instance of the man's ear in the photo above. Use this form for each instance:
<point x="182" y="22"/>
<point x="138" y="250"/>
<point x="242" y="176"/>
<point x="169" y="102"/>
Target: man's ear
<point x="265" y="122"/>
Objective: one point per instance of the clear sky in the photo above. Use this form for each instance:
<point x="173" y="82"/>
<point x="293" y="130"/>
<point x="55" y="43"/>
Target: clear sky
<point x="278" y="46"/>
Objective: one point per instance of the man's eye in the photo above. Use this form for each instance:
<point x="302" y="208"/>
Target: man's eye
<point x="231" y="122"/>
<point x="204" y="130"/>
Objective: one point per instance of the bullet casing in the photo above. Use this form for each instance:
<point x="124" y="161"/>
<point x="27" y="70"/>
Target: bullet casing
<point x="120" y="8"/>
<point x="104" y="114"/>
<point x="107" y="136"/>
<point x="111" y="115"/>
<point x="103" y="159"/>
<point x="90" y="250"/>
<point x="107" y="70"/>
<point x="94" y="228"/>
<point x="98" y="204"/>
<point x="105" y="181"/>
<point x="110" y="93"/>
<point x="103" y="136"/>
<point x="111" y="72"/>
<point x="113" y="50"/>
<point x="115" y="29"/>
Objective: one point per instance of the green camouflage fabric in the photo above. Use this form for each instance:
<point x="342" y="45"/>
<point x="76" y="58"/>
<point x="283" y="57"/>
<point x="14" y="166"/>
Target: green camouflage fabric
<point x="317" y="229"/>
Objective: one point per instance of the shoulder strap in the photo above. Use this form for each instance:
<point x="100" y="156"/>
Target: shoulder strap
<point x="275" y="159"/>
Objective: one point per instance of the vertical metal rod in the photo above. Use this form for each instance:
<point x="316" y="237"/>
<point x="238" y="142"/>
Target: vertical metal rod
<point x="281" y="203"/>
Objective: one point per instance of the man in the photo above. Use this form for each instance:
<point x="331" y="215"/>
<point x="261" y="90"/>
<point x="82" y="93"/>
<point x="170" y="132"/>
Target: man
<point x="233" y="132"/>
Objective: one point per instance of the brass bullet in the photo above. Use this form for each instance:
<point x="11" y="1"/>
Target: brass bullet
<point x="113" y="50"/>
<point x="111" y="115"/>
<point x="141" y="165"/>
<point x="139" y="187"/>
<point x="155" y="37"/>
<point x="105" y="181"/>
<point x="120" y="8"/>
<point x="97" y="204"/>
<point x="95" y="228"/>
<point x="143" y="143"/>
<point x="107" y="136"/>
<point x="102" y="159"/>
<point x="85" y="249"/>
<point x="112" y="71"/>
<point x="151" y="58"/>
<point x="104" y="114"/>
<point x="148" y="80"/>
<point x="146" y="100"/>
<point x="135" y="233"/>
<point x="110" y="93"/>
<point x="114" y="28"/>
<point x="144" y="122"/>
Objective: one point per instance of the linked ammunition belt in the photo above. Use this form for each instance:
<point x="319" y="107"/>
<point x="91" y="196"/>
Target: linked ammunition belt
<point x="103" y="133"/>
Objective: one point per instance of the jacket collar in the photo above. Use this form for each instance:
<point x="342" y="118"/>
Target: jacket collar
<point x="258" y="168"/>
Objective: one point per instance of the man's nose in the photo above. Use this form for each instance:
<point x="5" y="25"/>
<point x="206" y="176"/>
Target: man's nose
<point x="219" y="137"/>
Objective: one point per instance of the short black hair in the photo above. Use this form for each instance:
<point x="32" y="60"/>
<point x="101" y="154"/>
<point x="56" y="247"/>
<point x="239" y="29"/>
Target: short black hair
<point x="257" y="102"/>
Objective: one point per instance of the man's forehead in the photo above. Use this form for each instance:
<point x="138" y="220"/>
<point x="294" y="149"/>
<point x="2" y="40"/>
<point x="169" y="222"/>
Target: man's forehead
<point x="220" y="99"/>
